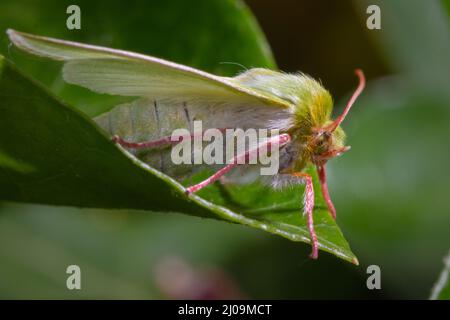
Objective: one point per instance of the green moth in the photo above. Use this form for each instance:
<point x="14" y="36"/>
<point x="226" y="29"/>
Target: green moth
<point x="173" y="96"/>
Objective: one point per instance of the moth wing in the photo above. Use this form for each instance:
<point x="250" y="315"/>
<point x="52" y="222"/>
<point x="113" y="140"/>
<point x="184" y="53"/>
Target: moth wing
<point x="119" y="72"/>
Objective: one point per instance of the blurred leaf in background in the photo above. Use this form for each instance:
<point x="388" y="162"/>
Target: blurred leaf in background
<point x="400" y="132"/>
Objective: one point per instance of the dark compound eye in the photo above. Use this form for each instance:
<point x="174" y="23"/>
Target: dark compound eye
<point x="323" y="141"/>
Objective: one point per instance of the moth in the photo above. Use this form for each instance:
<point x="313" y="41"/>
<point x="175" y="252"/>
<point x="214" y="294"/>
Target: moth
<point x="172" y="96"/>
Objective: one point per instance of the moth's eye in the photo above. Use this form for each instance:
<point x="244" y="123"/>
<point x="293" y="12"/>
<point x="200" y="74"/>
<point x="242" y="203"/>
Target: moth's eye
<point x="323" y="142"/>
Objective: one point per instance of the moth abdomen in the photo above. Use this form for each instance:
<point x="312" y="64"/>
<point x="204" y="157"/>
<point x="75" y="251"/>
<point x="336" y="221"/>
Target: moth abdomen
<point x="147" y="120"/>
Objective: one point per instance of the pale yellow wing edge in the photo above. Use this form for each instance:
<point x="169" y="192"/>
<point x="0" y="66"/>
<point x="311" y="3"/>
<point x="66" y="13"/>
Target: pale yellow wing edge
<point x="63" y="50"/>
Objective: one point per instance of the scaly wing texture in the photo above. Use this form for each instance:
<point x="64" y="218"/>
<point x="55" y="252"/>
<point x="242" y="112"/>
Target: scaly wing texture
<point x="118" y="72"/>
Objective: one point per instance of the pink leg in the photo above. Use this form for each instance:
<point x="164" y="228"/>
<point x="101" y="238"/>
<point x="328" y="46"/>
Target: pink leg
<point x="146" y="144"/>
<point x="308" y="207"/>
<point x="164" y="141"/>
<point x="326" y="195"/>
<point x="280" y="140"/>
<point x="211" y="179"/>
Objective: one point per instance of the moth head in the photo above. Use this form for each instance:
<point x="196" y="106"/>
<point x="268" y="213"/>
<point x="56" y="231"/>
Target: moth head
<point x="328" y="141"/>
<point x="326" y="145"/>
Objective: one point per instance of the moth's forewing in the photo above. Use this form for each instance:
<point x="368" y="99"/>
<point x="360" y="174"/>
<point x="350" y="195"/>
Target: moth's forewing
<point x="173" y="95"/>
<point x="111" y="71"/>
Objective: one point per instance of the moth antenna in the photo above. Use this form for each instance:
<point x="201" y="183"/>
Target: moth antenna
<point x="235" y="63"/>
<point x="324" y="186"/>
<point x="359" y="89"/>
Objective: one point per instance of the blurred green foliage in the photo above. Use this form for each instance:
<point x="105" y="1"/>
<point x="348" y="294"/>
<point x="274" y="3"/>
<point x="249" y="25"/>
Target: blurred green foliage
<point x="390" y="190"/>
<point x="401" y="131"/>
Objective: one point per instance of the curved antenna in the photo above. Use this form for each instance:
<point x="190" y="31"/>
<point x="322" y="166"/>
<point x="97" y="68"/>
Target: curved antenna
<point x="323" y="185"/>
<point x="362" y="84"/>
<point x="235" y="63"/>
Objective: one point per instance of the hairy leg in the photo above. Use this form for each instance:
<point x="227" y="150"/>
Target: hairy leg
<point x="308" y="206"/>
<point x="279" y="140"/>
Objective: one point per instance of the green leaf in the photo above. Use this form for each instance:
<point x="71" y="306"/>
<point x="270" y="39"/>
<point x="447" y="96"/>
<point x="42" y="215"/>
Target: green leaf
<point x="441" y="289"/>
<point x="52" y="154"/>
